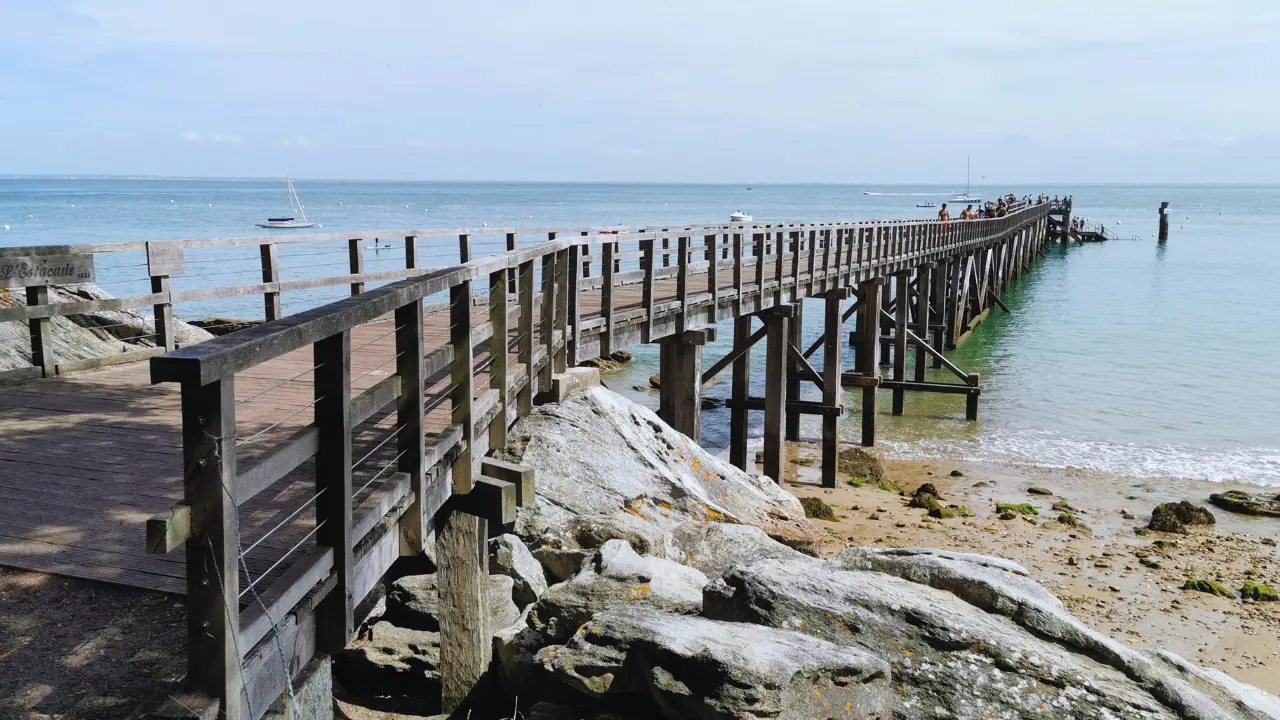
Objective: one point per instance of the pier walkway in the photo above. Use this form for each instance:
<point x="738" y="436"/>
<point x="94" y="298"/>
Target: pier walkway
<point x="295" y="460"/>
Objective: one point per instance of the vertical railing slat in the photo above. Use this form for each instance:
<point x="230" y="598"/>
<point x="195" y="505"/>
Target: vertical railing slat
<point x="332" y="360"/>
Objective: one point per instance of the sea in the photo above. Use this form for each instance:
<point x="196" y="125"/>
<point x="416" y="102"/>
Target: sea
<point x="1131" y="356"/>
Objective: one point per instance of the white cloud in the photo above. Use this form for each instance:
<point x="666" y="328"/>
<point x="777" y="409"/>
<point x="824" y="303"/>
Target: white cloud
<point x="228" y="139"/>
<point x="191" y="136"/>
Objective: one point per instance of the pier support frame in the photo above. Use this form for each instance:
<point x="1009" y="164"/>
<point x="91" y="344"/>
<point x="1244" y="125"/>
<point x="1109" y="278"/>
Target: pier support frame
<point x="902" y="296"/>
<point x="832" y="365"/>
<point x="775" y="388"/>
<point x="869" y="356"/>
<point x="795" y="332"/>
<point x="740" y="391"/>
<point x="680" y="391"/>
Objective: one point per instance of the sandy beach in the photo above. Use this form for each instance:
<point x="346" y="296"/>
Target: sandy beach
<point x="1112" y="573"/>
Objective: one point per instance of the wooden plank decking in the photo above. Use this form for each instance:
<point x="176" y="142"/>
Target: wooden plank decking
<point x="85" y="459"/>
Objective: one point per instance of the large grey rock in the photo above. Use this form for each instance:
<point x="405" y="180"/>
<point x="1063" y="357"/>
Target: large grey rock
<point x="697" y="668"/>
<point x="716" y="547"/>
<point x="616" y="576"/>
<point x="413" y="603"/>
<point x="561" y="563"/>
<point x="391" y="660"/>
<point x="81" y="337"/>
<point x="508" y="556"/>
<point x="602" y="457"/>
<point x="966" y="634"/>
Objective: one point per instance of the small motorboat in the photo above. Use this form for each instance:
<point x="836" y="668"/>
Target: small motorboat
<point x="740" y="216"/>
<point x="927" y="204"/>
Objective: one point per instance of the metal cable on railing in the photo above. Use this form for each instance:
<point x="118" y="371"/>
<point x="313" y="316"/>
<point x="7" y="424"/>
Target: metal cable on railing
<point x="279" y="384"/>
<point x="279" y="422"/>
<point x="252" y="585"/>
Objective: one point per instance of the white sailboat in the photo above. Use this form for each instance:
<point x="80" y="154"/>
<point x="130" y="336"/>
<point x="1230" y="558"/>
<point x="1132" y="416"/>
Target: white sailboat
<point x="966" y="197"/>
<point x="295" y="207"/>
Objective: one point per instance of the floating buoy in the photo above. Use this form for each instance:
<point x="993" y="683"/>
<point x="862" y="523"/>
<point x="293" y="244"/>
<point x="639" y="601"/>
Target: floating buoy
<point x="1219" y="212"/>
<point x="31" y="216"/>
<point x="73" y="205"/>
<point x="1119" y="222"/>
<point x="406" y="206"/>
<point x="1182" y="227"/>
<point x="6" y="228"/>
<point x="170" y="202"/>
<point x="210" y="204"/>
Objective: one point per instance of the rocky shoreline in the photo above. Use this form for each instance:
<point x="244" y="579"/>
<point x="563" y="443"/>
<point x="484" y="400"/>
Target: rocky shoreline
<point x="652" y="579"/>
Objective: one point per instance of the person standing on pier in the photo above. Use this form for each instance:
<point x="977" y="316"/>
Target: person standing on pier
<point x="944" y="214"/>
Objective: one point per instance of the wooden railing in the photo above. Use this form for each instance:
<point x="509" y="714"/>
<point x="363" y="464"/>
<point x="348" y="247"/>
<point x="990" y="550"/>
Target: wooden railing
<point x="547" y="306"/>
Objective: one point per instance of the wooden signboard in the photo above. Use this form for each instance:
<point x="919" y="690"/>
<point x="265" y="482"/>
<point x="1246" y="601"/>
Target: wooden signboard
<point x="165" y="259"/>
<point x="26" y="271"/>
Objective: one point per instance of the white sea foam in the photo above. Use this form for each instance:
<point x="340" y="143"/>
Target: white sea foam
<point x="1256" y="465"/>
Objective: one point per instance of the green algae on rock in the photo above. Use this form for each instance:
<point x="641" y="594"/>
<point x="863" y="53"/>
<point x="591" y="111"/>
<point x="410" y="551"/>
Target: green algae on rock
<point x="816" y="509"/>
<point x="1259" y="592"/>
<point x="1020" y="508"/>
<point x="1208" y="586"/>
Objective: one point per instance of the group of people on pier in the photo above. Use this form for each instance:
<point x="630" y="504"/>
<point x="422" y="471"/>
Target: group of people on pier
<point x="992" y="208"/>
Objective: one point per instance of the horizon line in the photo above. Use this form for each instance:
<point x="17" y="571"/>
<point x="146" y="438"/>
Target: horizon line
<point x="255" y="178"/>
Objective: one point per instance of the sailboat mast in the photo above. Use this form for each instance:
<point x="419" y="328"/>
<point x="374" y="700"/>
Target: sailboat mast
<point x="966" y="174"/>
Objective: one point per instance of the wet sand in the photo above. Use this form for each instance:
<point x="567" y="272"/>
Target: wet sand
<point x="1097" y="570"/>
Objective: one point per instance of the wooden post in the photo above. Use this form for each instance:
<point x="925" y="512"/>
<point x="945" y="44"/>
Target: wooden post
<point x="795" y="333"/>
<point x="713" y="274"/>
<point x="409" y="422"/>
<point x="1164" y="221"/>
<point x="883" y="324"/>
<point x="902" y="284"/>
<point x="971" y="399"/>
<point x="499" y="346"/>
<point x="270" y="274"/>
<point x="464" y="248"/>
<point x="741" y="386"/>
<point x="606" y="299"/>
<point x="335" y="621"/>
<point x="524" y="352"/>
<point x="573" y="334"/>
<point x="832" y="364"/>
<point x="410" y="252"/>
<point x="940" y="274"/>
<point x="584" y="252"/>
<point x="213" y="575"/>
<point x="680" y="396"/>
<point x="775" y="392"/>
<point x="564" y="268"/>
<point x="924" y="285"/>
<point x="355" y="248"/>
<point x="761" y="257"/>
<point x="868" y="356"/>
<point x="548" y="321"/>
<point x="682" y="283"/>
<point x="465" y="641"/>
<point x="738" y="257"/>
<point x="512" y="277"/>
<point x="41" y="330"/>
<point x="646" y="291"/>
<point x="163" y="315"/>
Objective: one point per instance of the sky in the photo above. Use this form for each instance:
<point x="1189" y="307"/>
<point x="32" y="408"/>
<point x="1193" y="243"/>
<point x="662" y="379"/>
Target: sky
<point x="686" y="90"/>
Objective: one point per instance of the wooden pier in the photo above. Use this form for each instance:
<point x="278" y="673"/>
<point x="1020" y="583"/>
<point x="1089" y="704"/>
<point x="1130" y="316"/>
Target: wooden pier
<point x="294" y="461"/>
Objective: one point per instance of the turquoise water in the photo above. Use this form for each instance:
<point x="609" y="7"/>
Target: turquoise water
<point x="1125" y="356"/>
